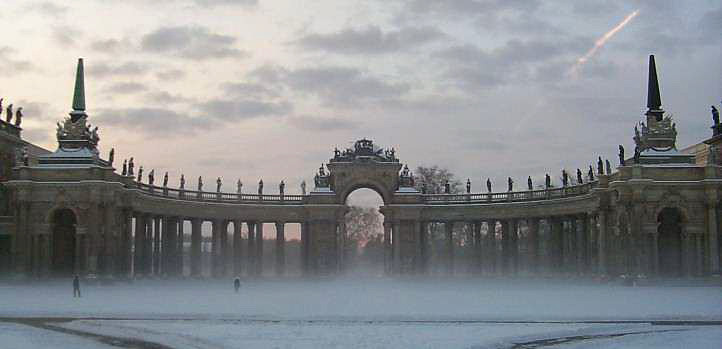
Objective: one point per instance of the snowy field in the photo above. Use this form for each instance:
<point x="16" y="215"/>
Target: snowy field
<point x="359" y="314"/>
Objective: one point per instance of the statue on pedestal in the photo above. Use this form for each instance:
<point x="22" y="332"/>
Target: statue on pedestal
<point x="26" y="157"/>
<point x="9" y="113"/>
<point x="547" y="181"/>
<point x="447" y="187"/>
<point x="715" y="116"/>
<point x="165" y="180"/>
<point x="565" y="178"/>
<point x="200" y="183"/>
<point x="151" y="177"/>
<point x="239" y="187"/>
<point x="260" y="187"/>
<point x="125" y="167"/>
<point x="303" y="187"/>
<point x="600" y="167"/>
<point x="218" y="185"/>
<point x="488" y="185"/>
<point x="511" y="183"/>
<point x="468" y="185"/>
<point x="529" y="184"/>
<point x="182" y="182"/>
<point x="580" y="180"/>
<point x="131" y="165"/>
<point x="321" y="171"/>
<point x="609" y="167"/>
<point x="1" y="106"/>
<point x="637" y="154"/>
<point x="590" y="174"/>
<point x="111" y="156"/>
<point x="140" y="174"/>
<point x="19" y="117"/>
<point x="281" y="187"/>
<point x="621" y="155"/>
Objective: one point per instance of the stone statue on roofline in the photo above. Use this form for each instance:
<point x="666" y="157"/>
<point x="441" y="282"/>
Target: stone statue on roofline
<point x="600" y="166"/>
<point x="529" y="184"/>
<point x="565" y="178"/>
<point x="125" y="167"/>
<point x="621" y="155"/>
<point x="547" y="181"/>
<point x="200" y="183"/>
<point x="239" y="187"/>
<point x="303" y="187"/>
<point x="468" y="185"/>
<point x="165" y="180"/>
<point x="260" y="187"/>
<point x="580" y="180"/>
<point x="511" y="184"/>
<point x="140" y="174"/>
<point x="111" y="156"/>
<point x="715" y="116"/>
<point x="609" y="166"/>
<point x="218" y="185"/>
<point x="488" y="185"/>
<point x="1" y="106"/>
<point x="590" y="174"/>
<point x="151" y="177"/>
<point x="182" y="181"/>
<point x="19" y="117"/>
<point x="447" y="187"/>
<point x="131" y="166"/>
<point x="281" y="187"/>
<point x="9" y="113"/>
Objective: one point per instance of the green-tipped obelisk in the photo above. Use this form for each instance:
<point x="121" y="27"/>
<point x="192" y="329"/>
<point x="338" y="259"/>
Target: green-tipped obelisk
<point x="79" y="93"/>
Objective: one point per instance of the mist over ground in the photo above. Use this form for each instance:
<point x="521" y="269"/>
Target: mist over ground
<point x="367" y="312"/>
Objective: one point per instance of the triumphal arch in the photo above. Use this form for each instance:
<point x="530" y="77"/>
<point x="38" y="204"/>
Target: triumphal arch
<point x="73" y="211"/>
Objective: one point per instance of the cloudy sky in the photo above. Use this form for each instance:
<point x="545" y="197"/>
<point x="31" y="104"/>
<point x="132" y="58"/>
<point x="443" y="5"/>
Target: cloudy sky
<point x="267" y="88"/>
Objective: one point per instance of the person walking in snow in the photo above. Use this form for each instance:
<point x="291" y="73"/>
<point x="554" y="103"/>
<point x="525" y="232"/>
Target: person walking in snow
<point x="76" y="287"/>
<point x="237" y="284"/>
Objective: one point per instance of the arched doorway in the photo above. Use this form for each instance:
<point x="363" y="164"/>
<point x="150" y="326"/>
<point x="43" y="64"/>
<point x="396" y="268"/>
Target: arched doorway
<point x="670" y="241"/>
<point x="64" y="239"/>
<point x="364" y="251"/>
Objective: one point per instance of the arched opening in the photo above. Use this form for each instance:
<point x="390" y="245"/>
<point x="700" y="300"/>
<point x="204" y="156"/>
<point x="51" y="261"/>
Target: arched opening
<point x="363" y="244"/>
<point x="64" y="242"/>
<point x="670" y="241"/>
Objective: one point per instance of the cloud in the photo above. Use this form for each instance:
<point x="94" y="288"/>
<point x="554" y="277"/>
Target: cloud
<point x="66" y="35"/>
<point x="234" y="110"/>
<point x="245" y="3"/>
<point x="153" y="121"/>
<point x="249" y="90"/>
<point x="468" y="8"/>
<point x="335" y="86"/>
<point x="711" y="26"/>
<point x="47" y="8"/>
<point x="125" y="88"/>
<point x="103" y="69"/>
<point x="111" y="45"/>
<point x="191" y="42"/>
<point x="170" y="74"/>
<point x="164" y="98"/>
<point x="317" y="123"/>
<point x="370" y="40"/>
<point x="10" y="65"/>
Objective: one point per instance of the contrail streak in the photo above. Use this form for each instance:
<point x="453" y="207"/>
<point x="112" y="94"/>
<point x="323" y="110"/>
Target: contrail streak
<point x="601" y="41"/>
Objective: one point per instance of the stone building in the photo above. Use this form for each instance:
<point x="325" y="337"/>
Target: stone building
<point x="71" y="211"/>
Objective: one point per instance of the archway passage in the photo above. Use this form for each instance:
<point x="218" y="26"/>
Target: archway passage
<point x="64" y="242"/>
<point x="364" y="244"/>
<point x="670" y="242"/>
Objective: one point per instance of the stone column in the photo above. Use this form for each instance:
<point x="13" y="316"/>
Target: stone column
<point x="476" y="238"/>
<point x="251" y="249"/>
<point x="156" y="245"/>
<point x="449" y="234"/>
<point x="148" y="253"/>
<point x="557" y="243"/>
<point x="225" y="249"/>
<point x="514" y="245"/>
<point x="138" y="238"/>
<point x="305" y="245"/>
<point x="341" y="245"/>
<point x="280" y="249"/>
<point x="419" y="247"/>
<point x="505" y="247"/>
<point x="388" y="252"/>
<point x="165" y="262"/>
<point x="259" y="249"/>
<point x="396" y="241"/>
<point x="533" y="249"/>
<point x="602" y="267"/>
<point x="171" y="269"/>
<point x="196" y="240"/>
<point x="712" y="239"/>
<point x="178" y="264"/>
<point x="124" y="245"/>
<point x="237" y="249"/>
<point x="491" y="249"/>
<point x="573" y="245"/>
<point x="583" y="243"/>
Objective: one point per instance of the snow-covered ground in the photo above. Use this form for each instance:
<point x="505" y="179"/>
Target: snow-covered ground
<point x="371" y="313"/>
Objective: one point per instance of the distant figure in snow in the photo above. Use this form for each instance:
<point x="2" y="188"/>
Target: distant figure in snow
<point x="237" y="284"/>
<point x="76" y="287"/>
